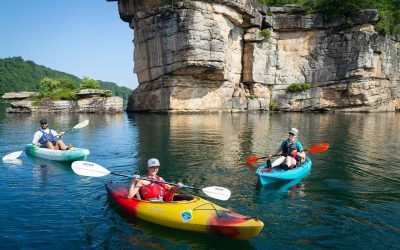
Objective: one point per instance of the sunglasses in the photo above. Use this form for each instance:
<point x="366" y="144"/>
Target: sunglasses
<point x="43" y="123"/>
<point x="291" y="134"/>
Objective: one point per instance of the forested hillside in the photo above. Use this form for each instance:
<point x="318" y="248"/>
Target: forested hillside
<point x="389" y="10"/>
<point x="16" y="74"/>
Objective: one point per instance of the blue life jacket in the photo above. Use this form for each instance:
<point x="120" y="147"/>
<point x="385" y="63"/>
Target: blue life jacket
<point x="47" y="137"/>
<point x="288" y="147"/>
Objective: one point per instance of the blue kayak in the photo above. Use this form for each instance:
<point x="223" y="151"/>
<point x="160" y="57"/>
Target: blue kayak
<point x="278" y="174"/>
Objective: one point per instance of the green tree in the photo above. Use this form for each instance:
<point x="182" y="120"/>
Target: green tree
<point x="68" y="83"/>
<point x="88" y="83"/>
<point x="49" y="85"/>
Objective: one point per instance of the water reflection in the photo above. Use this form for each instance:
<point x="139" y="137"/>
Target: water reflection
<point x="47" y="171"/>
<point x="293" y="187"/>
<point x="13" y="162"/>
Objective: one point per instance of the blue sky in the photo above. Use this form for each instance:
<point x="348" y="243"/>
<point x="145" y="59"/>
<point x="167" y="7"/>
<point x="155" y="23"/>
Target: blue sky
<point x="80" y="37"/>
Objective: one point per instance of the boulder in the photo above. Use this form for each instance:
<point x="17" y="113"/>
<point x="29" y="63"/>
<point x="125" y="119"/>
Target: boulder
<point x="86" y="93"/>
<point x="18" y="95"/>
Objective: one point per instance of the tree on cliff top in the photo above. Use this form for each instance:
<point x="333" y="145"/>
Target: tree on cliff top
<point x="57" y="89"/>
<point x="88" y="83"/>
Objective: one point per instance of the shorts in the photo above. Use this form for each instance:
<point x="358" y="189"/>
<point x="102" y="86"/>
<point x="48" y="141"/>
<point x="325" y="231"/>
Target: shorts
<point x="44" y="145"/>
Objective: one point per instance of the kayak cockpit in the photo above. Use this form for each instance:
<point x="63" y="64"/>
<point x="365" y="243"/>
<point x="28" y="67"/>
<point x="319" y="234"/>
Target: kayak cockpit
<point x="182" y="197"/>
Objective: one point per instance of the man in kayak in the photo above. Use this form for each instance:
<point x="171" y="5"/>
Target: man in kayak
<point x="291" y="152"/>
<point x="147" y="189"/>
<point x="49" y="138"/>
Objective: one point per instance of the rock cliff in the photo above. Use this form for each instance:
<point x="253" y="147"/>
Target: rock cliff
<point x="234" y="55"/>
<point x="89" y="101"/>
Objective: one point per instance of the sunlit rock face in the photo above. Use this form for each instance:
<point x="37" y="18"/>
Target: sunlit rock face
<point x="236" y="55"/>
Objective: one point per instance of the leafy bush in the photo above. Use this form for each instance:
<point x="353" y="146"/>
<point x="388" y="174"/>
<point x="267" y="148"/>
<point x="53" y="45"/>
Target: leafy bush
<point x="266" y="33"/>
<point x="55" y="89"/>
<point x="108" y="94"/>
<point x="273" y="106"/>
<point x="48" y="85"/>
<point x="88" y="83"/>
<point x="68" y="83"/>
<point x="345" y="24"/>
<point x="64" y="94"/>
<point x="297" y="87"/>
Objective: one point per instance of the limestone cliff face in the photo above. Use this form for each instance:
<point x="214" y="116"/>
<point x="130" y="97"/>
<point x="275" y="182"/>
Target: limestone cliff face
<point x="211" y="56"/>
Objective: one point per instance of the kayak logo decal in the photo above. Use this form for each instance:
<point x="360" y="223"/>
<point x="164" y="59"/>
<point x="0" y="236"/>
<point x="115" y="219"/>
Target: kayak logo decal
<point x="186" y="216"/>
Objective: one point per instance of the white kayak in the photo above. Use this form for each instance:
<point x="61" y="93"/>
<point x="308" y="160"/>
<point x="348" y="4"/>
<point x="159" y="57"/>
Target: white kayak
<point x="57" y="155"/>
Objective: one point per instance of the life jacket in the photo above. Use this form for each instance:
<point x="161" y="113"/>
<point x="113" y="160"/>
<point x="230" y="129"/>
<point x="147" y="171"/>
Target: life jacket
<point x="46" y="137"/>
<point x="153" y="190"/>
<point x="289" y="147"/>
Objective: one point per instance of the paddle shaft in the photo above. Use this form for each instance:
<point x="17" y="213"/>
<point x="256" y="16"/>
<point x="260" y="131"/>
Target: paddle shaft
<point x="265" y="157"/>
<point x="147" y="179"/>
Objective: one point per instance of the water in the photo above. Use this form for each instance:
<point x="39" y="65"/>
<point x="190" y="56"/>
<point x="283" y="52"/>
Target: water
<point x="351" y="199"/>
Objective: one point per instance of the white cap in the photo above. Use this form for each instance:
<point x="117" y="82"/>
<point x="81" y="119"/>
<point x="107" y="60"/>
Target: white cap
<point x="153" y="162"/>
<point x="294" y="131"/>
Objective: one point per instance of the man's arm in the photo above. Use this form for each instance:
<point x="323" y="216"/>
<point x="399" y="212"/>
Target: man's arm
<point x="36" y="137"/>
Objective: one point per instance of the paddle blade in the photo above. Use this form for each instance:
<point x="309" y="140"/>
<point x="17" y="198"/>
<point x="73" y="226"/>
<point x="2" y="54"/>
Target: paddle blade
<point x="12" y="156"/>
<point x="219" y="193"/>
<point x="81" y="124"/>
<point x="252" y="159"/>
<point x="87" y="168"/>
<point x="319" y="148"/>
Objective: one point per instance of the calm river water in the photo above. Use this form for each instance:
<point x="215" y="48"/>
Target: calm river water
<point x="351" y="199"/>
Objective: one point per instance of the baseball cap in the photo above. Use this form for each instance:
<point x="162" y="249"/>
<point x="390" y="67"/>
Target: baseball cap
<point x="43" y="120"/>
<point x="153" y="162"/>
<point x="294" y="131"/>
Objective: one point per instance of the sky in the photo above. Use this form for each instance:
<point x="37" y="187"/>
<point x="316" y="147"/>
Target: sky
<point x="79" y="37"/>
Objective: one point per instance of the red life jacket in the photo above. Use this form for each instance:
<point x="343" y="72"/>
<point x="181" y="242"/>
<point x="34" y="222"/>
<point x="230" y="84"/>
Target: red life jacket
<point x="153" y="190"/>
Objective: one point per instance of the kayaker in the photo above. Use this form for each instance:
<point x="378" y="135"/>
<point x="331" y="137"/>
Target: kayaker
<point x="291" y="152"/>
<point x="149" y="190"/>
<point x="49" y="138"/>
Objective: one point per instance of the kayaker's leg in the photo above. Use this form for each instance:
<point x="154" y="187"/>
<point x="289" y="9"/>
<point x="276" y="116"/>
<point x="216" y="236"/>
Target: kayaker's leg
<point x="61" y="145"/>
<point x="278" y="161"/>
<point x="269" y="163"/>
<point x="49" y="145"/>
<point x="290" y="162"/>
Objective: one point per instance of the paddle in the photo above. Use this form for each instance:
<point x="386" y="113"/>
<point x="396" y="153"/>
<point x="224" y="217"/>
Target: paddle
<point x="316" y="148"/>
<point x="92" y="169"/>
<point x="15" y="155"/>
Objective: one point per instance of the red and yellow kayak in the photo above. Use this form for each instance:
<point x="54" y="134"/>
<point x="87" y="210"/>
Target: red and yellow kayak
<point x="187" y="212"/>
